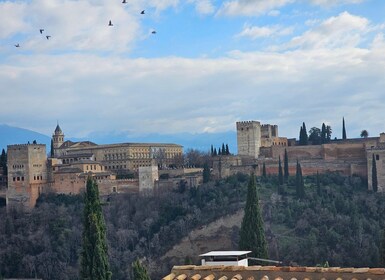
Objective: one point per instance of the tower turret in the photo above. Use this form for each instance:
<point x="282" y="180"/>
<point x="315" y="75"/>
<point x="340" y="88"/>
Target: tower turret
<point x="57" y="139"/>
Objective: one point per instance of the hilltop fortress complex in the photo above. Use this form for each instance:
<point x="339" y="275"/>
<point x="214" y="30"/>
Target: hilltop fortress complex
<point x="31" y="172"/>
<point x="259" y="144"/>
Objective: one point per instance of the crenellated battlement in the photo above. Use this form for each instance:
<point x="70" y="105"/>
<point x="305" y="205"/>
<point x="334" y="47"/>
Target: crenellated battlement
<point x="247" y="124"/>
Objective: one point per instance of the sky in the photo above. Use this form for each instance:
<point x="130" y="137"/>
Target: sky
<point x="209" y="64"/>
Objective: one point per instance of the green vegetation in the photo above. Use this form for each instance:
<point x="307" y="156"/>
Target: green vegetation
<point x="3" y="161"/>
<point x="374" y="175"/>
<point x="94" y="256"/>
<point x="338" y="221"/>
<point x="252" y="234"/>
<point x="343" y="129"/>
<point x="139" y="272"/>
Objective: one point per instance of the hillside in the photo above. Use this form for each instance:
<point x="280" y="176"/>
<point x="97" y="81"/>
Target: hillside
<point x="339" y="222"/>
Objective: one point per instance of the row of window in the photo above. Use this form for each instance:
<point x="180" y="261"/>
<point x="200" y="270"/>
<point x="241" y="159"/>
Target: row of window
<point x="18" y="166"/>
<point x="18" y="178"/>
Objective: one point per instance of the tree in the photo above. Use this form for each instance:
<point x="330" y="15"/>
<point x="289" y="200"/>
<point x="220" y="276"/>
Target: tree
<point x="328" y="133"/>
<point x="286" y="166"/>
<point x="264" y="175"/>
<point x="227" y="149"/>
<point x="318" y="184"/>
<point x="315" y="136"/>
<point x="212" y="150"/>
<point x="374" y="175"/>
<point x="206" y="173"/>
<point x="323" y="134"/>
<point x="51" y="152"/>
<point x="303" y="138"/>
<point x="94" y="256"/>
<point x="252" y="234"/>
<point x="364" y="134"/>
<point x="223" y="149"/>
<point x="300" y="188"/>
<point x="219" y="152"/>
<point x="343" y="129"/>
<point x="215" y="152"/>
<point x="139" y="271"/>
<point x="280" y="173"/>
<point x="3" y="161"/>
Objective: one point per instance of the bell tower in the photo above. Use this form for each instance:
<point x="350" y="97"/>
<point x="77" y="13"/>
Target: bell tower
<point x="57" y="139"/>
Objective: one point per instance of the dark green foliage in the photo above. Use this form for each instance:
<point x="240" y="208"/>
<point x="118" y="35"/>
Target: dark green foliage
<point x="219" y="152"/>
<point x="206" y="173"/>
<point x="264" y="175"/>
<point x="299" y="183"/>
<point x="315" y="136"/>
<point x="323" y="134"/>
<point x="139" y="271"/>
<point x="51" y="151"/>
<point x="227" y="149"/>
<point x="328" y="133"/>
<point x="364" y="133"/>
<point x="343" y="129"/>
<point x="318" y="184"/>
<point x="3" y="161"/>
<point x="212" y="150"/>
<point x="215" y="152"/>
<point x="382" y="248"/>
<point x="286" y="166"/>
<point x="280" y="175"/>
<point x="374" y="175"/>
<point x="303" y="137"/>
<point x="223" y="149"/>
<point x="94" y="256"/>
<point x="252" y="234"/>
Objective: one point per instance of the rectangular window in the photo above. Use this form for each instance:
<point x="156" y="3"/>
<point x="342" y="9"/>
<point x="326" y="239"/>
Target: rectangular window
<point x="377" y="157"/>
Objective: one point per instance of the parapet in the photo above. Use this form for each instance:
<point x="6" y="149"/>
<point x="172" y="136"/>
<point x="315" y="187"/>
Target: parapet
<point x="247" y="124"/>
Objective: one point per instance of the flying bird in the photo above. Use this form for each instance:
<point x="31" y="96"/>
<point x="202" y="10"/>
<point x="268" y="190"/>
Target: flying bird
<point x="153" y="32"/>
<point x="110" y="24"/>
<point x="17" y="46"/>
<point x="48" y="36"/>
<point x="142" y="12"/>
<point x="124" y="2"/>
<point x="41" y="31"/>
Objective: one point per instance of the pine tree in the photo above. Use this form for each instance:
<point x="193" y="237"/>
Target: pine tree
<point x="286" y="166"/>
<point x="300" y="188"/>
<point x="94" y="257"/>
<point x="374" y="175"/>
<point x="252" y="234"/>
<point x="343" y="129"/>
<point x="206" y="172"/>
<point x="139" y="271"/>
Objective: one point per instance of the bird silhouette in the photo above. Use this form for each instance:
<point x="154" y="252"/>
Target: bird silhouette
<point x="124" y="2"/>
<point x="142" y="12"/>
<point x="41" y="31"/>
<point x="17" y="46"/>
<point x="110" y="24"/>
<point x="48" y="36"/>
<point x="153" y="32"/>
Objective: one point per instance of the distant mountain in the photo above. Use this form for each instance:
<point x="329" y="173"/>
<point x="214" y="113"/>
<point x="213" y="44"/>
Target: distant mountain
<point x="14" y="135"/>
<point x="201" y="141"/>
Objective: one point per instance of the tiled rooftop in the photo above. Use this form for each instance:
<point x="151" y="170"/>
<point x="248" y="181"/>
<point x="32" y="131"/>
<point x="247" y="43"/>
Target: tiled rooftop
<point x="272" y="273"/>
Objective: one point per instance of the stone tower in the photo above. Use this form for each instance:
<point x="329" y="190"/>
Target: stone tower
<point x="57" y="139"/>
<point x="249" y="138"/>
<point x="27" y="174"/>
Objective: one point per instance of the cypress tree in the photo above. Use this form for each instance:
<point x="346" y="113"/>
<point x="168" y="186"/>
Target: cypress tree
<point x="3" y="162"/>
<point x="139" y="271"/>
<point x="227" y="150"/>
<point x="219" y="152"/>
<point x="305" y="137"/>
<point x="280" y="172"/>
<point x="51" y="152"/>
<point x="252" y="234"/>
<point x="343" y="129"/>
<point x="223" y="149"/>
<point x="264" y="170"/>
<point x="286" y="166"/>
<point x="206" y="172"/>
<point x="94" y="257"/>
<point x="300" y="188"/>
<point x="212" y="150"/>
<point x="215" y="152"/>
<point x="374" y="175"/>
<point x="300" y="136"/>
<point x="323" y="134"/>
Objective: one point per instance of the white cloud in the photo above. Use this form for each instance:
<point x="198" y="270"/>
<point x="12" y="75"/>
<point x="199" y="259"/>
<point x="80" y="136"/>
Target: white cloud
<point x="203" y="6"/>
<point x="255" y="32"/>
<point x="329" y="3"/>
<point x="344" y="30"/>
<point x="250" y="7"/>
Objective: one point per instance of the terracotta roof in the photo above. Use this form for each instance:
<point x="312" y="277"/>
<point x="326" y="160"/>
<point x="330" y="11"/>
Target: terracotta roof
<point x="221" y="272"/>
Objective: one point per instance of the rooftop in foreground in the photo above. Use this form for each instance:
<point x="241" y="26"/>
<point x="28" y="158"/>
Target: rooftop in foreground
<point x="273" y="273"/>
